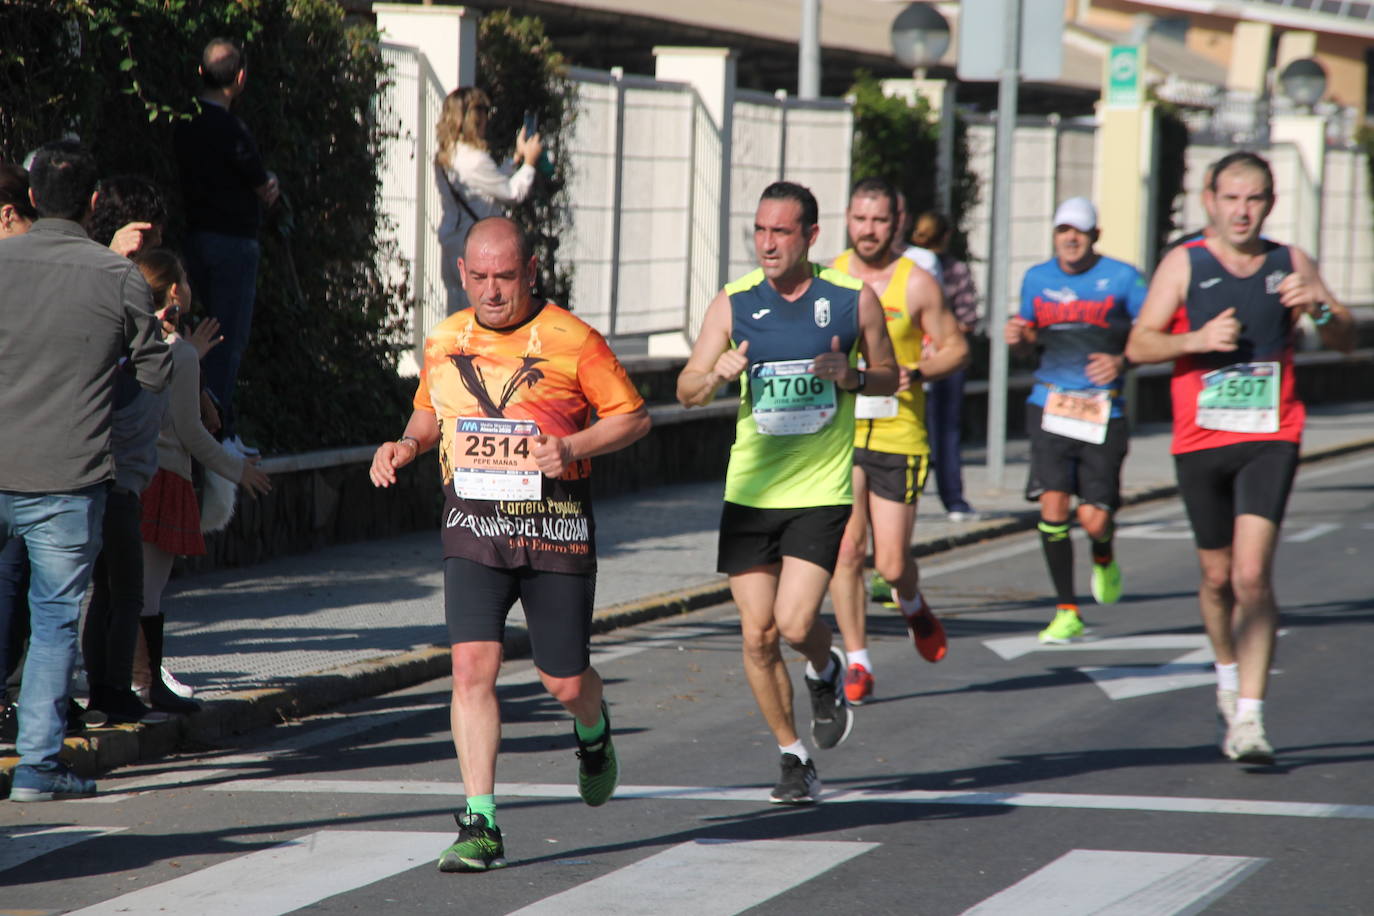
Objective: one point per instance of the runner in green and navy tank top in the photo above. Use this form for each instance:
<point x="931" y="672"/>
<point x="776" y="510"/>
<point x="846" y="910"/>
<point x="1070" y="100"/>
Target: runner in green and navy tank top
<point x="791" y="333"/>
<point x="794" y="435"/>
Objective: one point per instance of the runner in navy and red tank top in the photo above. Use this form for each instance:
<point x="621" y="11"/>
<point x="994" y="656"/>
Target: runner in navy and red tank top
<point x="1223" y="307"/>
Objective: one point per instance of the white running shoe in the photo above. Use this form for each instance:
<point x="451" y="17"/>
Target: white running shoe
<point x="1226" y="714"/>
<point x="1245" y="740"/>
<point x="177" y="686"/>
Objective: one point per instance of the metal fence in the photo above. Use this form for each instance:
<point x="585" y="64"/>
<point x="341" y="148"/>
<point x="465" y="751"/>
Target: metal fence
<point x="661" y="199"/>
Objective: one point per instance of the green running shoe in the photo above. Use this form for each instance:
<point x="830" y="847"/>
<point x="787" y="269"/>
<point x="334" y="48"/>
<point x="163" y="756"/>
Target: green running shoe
<point x="478" y="847"/>
<point x="598" y="771"/>
<point x="1107" y="582"/>
<point x="880" y="590"/>
<point x="1065" y="627"/>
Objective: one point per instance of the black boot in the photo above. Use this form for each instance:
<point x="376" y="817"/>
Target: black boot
<point x="159" y="695"/>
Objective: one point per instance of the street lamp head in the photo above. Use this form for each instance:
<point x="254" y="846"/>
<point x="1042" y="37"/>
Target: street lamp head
<point x="920" y="36"/>
<point x="1303" y="81"/>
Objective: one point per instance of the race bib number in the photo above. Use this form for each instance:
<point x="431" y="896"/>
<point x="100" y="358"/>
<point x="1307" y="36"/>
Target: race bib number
<point x="493" y="459"/>
<point x="1240" y="398"/>
<point x="788" y="400"/>
<point x="1081" y="414"/>
<point x="867" y="407"/>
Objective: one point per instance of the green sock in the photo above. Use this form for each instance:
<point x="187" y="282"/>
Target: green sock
<point x="590" y="735"/>
<point x="484" y="805"/>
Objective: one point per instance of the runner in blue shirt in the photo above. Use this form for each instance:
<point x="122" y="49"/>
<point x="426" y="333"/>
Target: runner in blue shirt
<point x="1076" y="310"/>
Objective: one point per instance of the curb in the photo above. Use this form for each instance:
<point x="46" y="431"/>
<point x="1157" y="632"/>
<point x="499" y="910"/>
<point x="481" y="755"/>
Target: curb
<point x="101" y="749"/>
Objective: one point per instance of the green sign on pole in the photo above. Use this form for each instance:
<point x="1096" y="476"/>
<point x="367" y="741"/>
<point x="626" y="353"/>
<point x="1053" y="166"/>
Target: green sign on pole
<point x="1125" y="77"/>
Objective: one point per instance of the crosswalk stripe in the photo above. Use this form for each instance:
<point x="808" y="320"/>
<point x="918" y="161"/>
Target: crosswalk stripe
<point x="742" y="874"/>
<point x="759" y="795"/>
<point x="284" y="878"/>
<point x="23" y="844"/>
<point x="1088" y="881"/>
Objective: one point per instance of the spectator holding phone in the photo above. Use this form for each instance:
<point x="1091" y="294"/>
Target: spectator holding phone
<point x="471" y="185"/>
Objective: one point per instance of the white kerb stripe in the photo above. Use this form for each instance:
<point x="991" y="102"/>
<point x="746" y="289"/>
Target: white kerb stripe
<point x="25" y="844"/>
<point x="1095" y="881"/>
<point x="701" y="878"/>
<point x="283" y="878"/>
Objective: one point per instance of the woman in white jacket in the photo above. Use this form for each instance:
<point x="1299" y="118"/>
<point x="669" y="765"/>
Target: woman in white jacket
<point x="471" y="186"/>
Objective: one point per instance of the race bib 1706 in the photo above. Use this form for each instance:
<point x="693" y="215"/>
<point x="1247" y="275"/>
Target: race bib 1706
<point x="492" y="459"/>
<point x="787" y="400"/>
<point x="1240" y="398"/>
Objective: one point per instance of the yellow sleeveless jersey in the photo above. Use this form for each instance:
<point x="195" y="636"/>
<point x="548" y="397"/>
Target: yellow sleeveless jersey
<point x="897" y="424"/>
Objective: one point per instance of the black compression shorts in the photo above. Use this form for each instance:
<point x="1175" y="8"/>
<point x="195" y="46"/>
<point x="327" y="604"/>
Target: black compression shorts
<point x="1247" y="478"/>
<point x="558" y="610"/>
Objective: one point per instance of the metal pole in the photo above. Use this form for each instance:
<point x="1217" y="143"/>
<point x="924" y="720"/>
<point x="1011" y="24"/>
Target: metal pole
<point x="999" y="286"/>
<point x="809" y="51"/>
<point x="945" y="153"/>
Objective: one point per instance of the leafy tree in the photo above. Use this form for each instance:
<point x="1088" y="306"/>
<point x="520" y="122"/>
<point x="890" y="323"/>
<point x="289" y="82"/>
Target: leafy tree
<point x="320" y="367"/>
<point x="899" y="141"/>
<point x="518" y="67"/>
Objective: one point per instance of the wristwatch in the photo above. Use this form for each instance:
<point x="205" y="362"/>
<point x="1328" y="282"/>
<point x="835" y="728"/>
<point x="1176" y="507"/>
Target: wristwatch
<point x="1324" y="315"/>
<point x="863" y="380"/>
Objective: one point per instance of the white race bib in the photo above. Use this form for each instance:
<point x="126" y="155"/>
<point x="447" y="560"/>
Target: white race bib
<point x="868" y="407"/>
<point x="788" y="400"/>
<point x="1240" y="398"/>
<point x="493" y="459"/>
<point x="1078" y="414"/>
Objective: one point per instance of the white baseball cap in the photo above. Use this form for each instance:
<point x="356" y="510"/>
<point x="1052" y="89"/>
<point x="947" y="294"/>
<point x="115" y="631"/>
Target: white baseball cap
<point x="1077" y="212"/>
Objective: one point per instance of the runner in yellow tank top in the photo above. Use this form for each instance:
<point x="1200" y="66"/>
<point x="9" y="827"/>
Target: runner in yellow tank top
<point x="891" y="453"/>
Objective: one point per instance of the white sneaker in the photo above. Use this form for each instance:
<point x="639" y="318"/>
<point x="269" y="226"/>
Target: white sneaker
<point x="1245" y="740"/>
<point x="1226" y="714"/>
<point x="177" y="686"/>
<point x="969" y="516"/>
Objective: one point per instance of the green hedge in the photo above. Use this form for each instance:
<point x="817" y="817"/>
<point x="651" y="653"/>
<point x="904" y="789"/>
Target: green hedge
<point x="320" y="367"/>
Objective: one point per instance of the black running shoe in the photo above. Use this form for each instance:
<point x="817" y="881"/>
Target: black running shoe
<point x="799" y="784"/>
<point x="831" y="717"/>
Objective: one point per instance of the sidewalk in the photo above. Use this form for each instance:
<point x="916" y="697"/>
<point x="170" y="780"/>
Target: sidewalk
<point x="287" y="637"/>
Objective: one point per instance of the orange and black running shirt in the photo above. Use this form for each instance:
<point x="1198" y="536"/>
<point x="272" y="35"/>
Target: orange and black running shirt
<point x="491" y="391"/>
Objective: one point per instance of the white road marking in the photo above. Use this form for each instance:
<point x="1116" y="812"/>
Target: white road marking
<point x="701" y="878"/>
<point x="1011" y="647"/>
<point x="284" y="878"/>
<point x="22" y="844"/>
<point x="1088" y="881"/>
<point x="759" y="795"/>
<point x="1311" y="533"/>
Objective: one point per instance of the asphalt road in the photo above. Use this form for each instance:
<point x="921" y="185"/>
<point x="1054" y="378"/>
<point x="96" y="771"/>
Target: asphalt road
<point x="1008" y="779"/>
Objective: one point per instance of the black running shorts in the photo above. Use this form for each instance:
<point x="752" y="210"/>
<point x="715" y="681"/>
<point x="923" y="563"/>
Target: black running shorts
<point x="558" y="610"/>
<point x="1247" y="478"/>
<point x="752" y="537"/>
<point x="897" y="478"/>
<point x="1064" y="465"/>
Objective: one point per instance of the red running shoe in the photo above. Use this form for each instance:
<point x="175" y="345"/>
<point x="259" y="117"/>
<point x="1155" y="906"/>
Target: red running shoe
<point x="858" y="684"/>
<point x="928" y="633"/>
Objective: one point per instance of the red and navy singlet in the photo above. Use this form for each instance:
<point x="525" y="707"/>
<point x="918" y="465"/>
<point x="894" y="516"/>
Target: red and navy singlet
<point x="1246" y="395"/>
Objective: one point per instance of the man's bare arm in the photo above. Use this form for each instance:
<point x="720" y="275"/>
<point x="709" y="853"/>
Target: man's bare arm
<point x="714" y="362"/>
<point x="876" y="346"/>
<point x="1151" y="340"/>
<point x="949" y="349"/>
<point x="1305" y="290"/>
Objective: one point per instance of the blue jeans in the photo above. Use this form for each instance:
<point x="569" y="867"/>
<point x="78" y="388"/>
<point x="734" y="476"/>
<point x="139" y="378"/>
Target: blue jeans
<point x="62" y="534"/>
<point x="224" y="275"/>
<point x="944" y="409"/>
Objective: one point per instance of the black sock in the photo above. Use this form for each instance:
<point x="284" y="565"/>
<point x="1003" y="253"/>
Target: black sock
<point x="1054" y="537"/>
<point x="1102" y="549"/>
